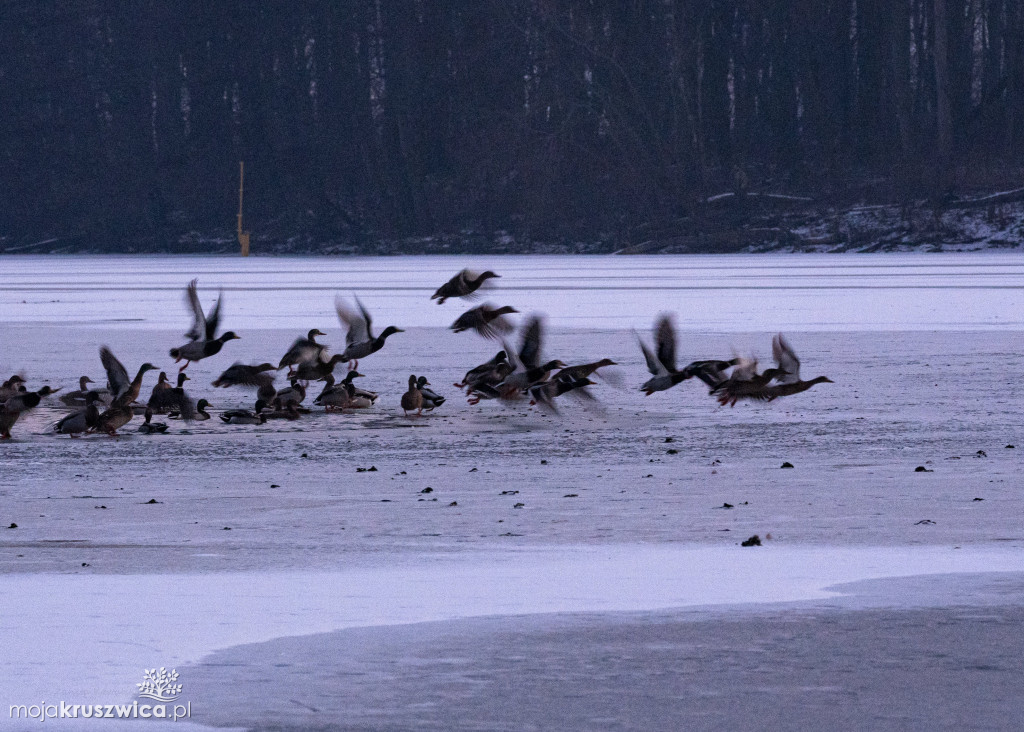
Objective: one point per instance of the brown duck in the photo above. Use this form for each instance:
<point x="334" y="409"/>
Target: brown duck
<point x="412" y="399"/>
<point x="464" y="284"/>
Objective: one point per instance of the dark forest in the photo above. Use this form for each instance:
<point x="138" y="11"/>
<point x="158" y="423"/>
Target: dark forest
<point x="585" y="120"/>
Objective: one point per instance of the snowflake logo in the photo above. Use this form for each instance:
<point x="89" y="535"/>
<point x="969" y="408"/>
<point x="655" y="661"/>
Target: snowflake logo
<point x="158" y="684"/>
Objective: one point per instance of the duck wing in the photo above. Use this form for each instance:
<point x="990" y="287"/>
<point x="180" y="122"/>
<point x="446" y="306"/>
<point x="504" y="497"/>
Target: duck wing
<point x="198" y="329"/>
<point x="117" y="375"/>
<point x="366" y="319"/>
<point x="213" y="319"/>
<point x="711" y="372"/>
<point x="511" y="358"/>
<point x="451" y="287"/>
<point x="786" y="358"/>
<point x="355" y="323"/>
<point x="238" y="374"/>
<point x="301" y="350"/>
<point x="744" y="370"/>
<point x="665" y="342"/>
<point x="653" y="364"/>
<point x="529" y="352"/>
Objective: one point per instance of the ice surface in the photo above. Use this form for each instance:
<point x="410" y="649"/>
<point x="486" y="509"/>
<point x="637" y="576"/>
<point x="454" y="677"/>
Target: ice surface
<point x="78" y="638"/>
<point x="97" y="583"/>
<point x="722" y="293"/>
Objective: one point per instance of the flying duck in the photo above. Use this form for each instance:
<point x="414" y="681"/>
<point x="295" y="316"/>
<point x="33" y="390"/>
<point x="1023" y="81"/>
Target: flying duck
<point x="492" y="371"/>
<point x="527" y="369"/>
<point x="485" y="320"/>
<point x="745" y="382"/>
<point x="464" y="284"/>
<point x="711" y="372"/>
<point x="241" y="375"/>
<point x="303" y="349"/>
<point x="662" y="363"/>
<point x="359" y="340"/>
<point x="318" y="368"/>
<point x="786" y="376"/>
<point x="582" y="371"/>
<point x="202" y="342"/>
<point x="545" y="393"/>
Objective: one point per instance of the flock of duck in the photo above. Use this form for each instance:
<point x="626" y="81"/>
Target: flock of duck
<point x="511" y="374"/>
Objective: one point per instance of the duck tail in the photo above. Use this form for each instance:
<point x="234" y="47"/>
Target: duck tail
<point x="175" y="352"/>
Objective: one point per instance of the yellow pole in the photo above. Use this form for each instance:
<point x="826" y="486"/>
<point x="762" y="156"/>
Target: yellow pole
<point x="243" y="236"/>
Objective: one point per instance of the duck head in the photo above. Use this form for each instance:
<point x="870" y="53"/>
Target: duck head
<point x="201" y="405"/>
<point x="390" y="330"/>
<point x="421" y="382"/>
<point x="552" y="365"/>
<point x="147" y="367"/>
<point x="83" y="381"/>
<point x="229" y="336"/>
<point x="46" y="391"/>
<point x="182" y="378"/>
<point x="313" y="334"/>
<point x="266" y="367"/>
<point x="486" y="276"/>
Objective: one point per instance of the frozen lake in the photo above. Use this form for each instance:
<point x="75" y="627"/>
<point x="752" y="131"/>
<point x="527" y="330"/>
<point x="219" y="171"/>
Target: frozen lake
<point x="495" y="546"/>
<point x="709" y="293"/>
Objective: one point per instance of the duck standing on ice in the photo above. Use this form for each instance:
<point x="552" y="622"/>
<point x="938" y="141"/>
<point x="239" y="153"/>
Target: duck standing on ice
<point x="82" y="420"/>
